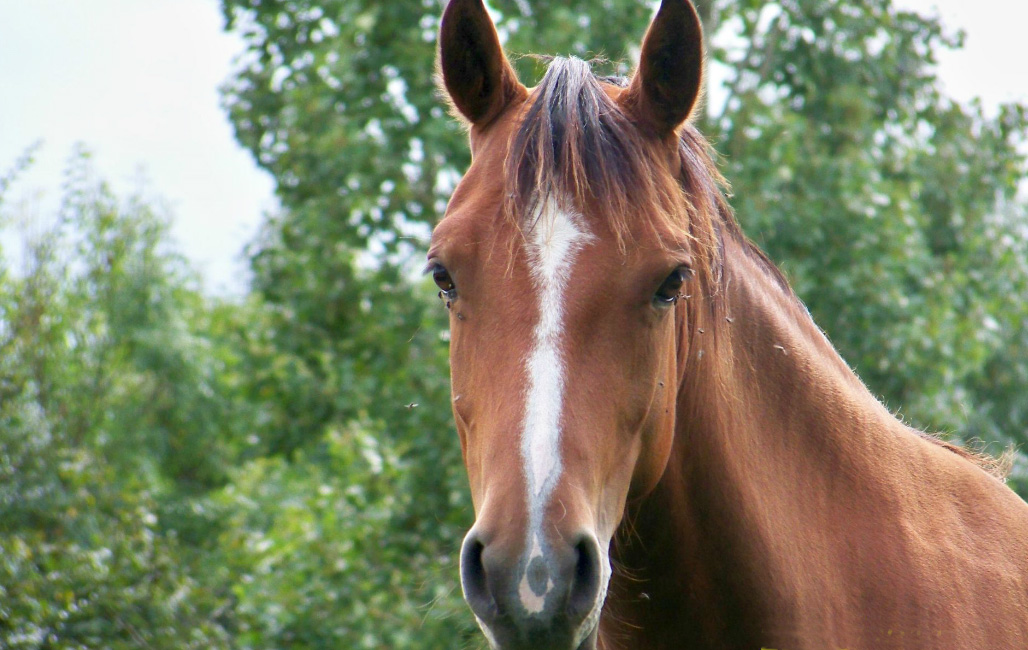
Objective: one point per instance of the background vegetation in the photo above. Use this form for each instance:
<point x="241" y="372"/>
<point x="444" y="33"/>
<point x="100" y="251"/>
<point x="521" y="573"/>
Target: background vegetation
<point x="279" y="470"/>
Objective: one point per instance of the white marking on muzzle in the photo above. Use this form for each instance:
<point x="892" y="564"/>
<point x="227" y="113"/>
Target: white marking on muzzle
<point x="555" y="239"/>
<point x="532" y="602"/>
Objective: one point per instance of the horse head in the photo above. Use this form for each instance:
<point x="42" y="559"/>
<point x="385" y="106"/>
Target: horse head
<point x="565" y="257"/>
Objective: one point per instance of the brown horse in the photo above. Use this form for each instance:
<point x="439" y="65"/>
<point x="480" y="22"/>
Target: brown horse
<point x="636" y="386"/>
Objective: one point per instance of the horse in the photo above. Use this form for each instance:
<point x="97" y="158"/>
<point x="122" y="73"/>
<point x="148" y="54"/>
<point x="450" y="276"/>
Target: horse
<point x="663" y="449"/>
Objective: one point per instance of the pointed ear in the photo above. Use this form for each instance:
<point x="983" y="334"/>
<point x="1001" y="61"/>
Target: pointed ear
<point x="477" y="75"/>
<point x="667" y="83"/>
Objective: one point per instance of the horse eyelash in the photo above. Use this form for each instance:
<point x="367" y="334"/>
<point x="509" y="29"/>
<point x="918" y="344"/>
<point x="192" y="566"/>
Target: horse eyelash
<point x="430" y="267"/>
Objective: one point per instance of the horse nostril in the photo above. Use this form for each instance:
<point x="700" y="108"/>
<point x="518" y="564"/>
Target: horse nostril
<point x="585" y="586"/>
<point x="474" y="580"/>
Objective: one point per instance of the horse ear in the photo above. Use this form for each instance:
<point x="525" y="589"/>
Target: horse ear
<point x="667" y="83"/>
<point x="477" y="75"/>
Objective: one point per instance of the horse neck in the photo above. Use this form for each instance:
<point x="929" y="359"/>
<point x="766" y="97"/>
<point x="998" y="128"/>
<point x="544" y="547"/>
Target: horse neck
<point x="762" y="382"/>
<point x="774" y="435"/>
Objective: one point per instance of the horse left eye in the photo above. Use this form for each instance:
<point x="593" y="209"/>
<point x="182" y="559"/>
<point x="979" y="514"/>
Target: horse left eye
<point x="447" y="289"/>
<point x="442" y="278"/>
<point x="671" y="288"/>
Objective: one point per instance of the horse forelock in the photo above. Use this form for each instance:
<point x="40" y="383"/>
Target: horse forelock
<point x="575" y="143"/>
<point x="575" y="146"/>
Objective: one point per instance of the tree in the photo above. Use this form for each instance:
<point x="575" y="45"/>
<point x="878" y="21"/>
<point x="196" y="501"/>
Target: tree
<point x="116" y="424"/>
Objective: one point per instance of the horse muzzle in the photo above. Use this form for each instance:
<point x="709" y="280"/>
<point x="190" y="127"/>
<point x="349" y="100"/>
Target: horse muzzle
<point x="548" y="598"/>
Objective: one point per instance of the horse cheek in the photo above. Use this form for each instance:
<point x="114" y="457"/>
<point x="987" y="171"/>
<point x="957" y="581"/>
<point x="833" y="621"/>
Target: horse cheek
<point x="655" y="441"/>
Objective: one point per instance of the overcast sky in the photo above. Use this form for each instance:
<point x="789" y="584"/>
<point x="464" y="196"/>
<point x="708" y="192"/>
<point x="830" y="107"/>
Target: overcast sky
<point x="136" y="81"/>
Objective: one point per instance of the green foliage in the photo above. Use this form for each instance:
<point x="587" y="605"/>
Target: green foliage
<point x="344" y="559"/>
<point x="347" y="520"/>
<point x="108" y="413"/>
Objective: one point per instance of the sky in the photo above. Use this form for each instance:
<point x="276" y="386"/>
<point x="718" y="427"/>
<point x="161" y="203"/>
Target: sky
<point x="992" y="63"/>
<point x="136" y="81"/>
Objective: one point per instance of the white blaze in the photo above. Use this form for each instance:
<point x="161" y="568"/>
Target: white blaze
<point x="554" y="240"/>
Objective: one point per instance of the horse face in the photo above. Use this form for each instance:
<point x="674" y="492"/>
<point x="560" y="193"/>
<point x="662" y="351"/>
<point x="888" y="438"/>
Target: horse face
<point x="563" y="349"/>
<point x="563" y="383"/>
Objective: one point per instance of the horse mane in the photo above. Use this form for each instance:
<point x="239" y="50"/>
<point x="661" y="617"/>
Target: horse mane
<point x="577" y="147"/>
<point x="996" y="467"/>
